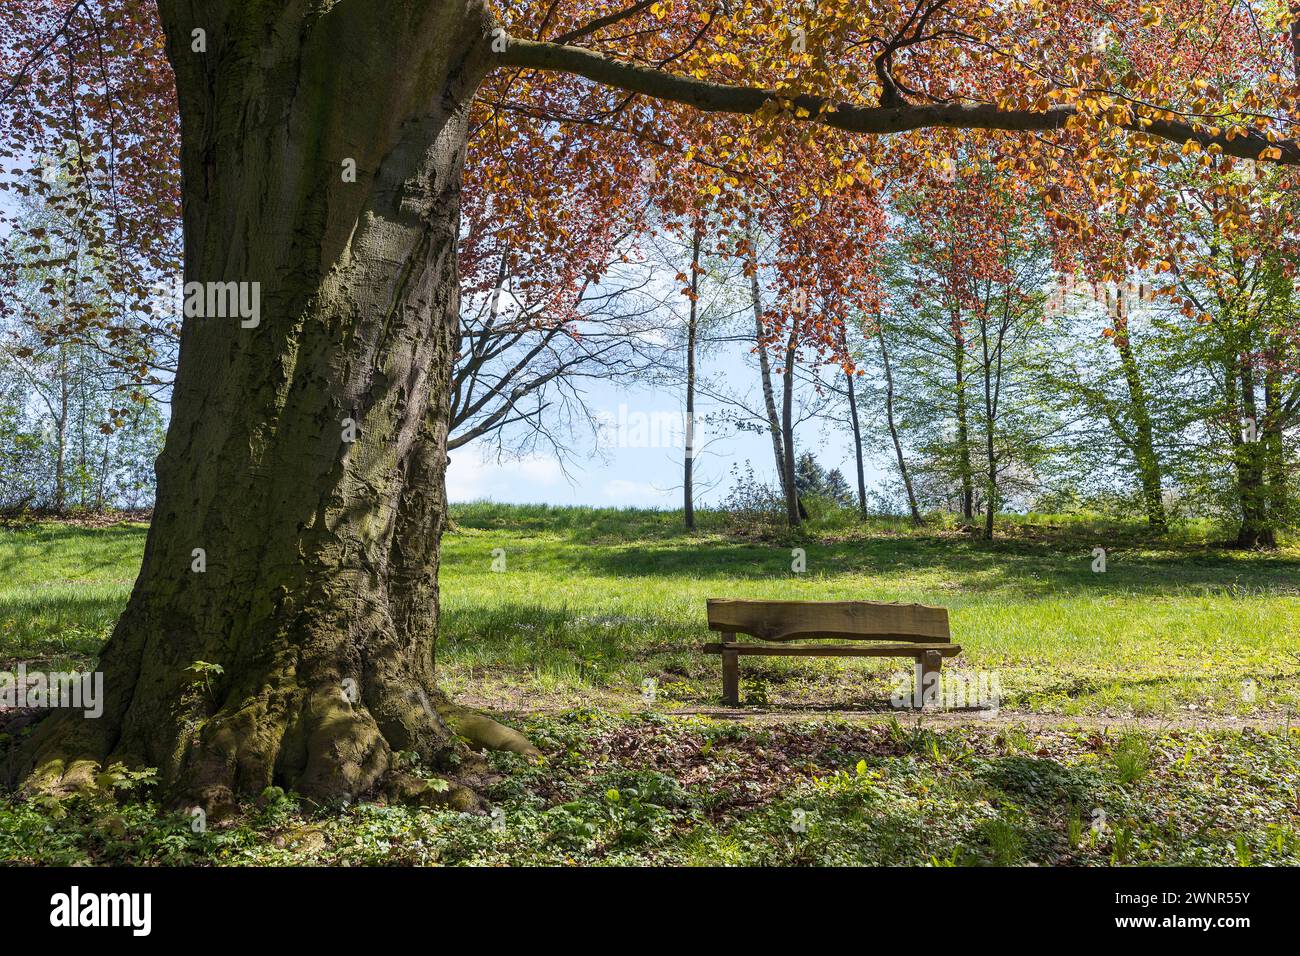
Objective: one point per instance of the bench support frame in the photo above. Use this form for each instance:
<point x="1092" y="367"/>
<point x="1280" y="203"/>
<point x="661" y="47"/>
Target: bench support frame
<point x="928" y="662"/>
<point x="730" y="673"/>
<point x="917" y="631"/>
<point x="931" y="662"/>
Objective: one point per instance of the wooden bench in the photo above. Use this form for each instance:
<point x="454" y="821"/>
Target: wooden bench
<point x="913" y="630"/>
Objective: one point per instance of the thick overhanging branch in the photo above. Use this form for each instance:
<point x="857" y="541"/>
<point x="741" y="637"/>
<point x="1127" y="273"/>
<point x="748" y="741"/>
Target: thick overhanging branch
<point x="875" y="120"/>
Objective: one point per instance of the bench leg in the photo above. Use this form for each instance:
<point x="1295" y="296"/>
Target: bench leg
<point x="730" y="675"/>
<point x="927" y="686"/>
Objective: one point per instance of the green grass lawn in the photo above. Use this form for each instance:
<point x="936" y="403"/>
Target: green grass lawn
<point x="591" y="603"/>
<point x="62" y="588"/>
<point x="594" y="602"/>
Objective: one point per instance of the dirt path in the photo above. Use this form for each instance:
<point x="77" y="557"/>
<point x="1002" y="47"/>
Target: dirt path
<point x="550" y="704"/>
<point x="1005" y="718"/>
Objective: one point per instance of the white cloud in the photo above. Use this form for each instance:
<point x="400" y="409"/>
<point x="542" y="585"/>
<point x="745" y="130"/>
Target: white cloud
<point x="470" y="478"/>
<point x="638" y="493"/>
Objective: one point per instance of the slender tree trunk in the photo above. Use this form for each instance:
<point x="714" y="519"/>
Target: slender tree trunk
<point x="319" y="595"/>
<point x="1249" y="459"/>
<point x="963" y="427"/>
<point x="852" y="389"/>
<point x="893" y="430"/>
<point x="61" y="437"/>
<point x="83" y="432"/>
<point x="992" y="502"/>
<point x="1148" y="462"/>
<point x="765" y="372"/>
<point x="101" y="475"/>
<point x="793" y="506"/>
<point x="688" y="482"/>
<point x="990" y="427"/>
<point x="857" y="443"/>
<point x="1272" y="433"/>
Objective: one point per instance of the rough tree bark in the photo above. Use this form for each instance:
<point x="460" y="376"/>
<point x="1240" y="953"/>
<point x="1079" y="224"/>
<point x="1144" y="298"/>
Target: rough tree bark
<point x="319" y="597"/>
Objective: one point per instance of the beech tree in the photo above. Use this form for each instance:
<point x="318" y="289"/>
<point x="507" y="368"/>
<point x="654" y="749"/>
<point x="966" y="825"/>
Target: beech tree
<point x="1128" y="418"/>
<point x="306" y="563"/>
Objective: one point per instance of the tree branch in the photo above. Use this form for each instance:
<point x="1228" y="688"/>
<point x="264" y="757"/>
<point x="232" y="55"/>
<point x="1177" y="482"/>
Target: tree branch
<point x="878" y="120"/>
<point x="595" y="26"/>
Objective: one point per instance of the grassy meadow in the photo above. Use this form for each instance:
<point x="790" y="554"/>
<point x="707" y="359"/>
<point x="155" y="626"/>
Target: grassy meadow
<point x="1146" y="712"/>
<point x="591" y="603"/>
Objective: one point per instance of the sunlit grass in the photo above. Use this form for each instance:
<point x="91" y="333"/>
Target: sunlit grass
<point x="614" y="596"/>
<point x="591" y="602"/>
<point x="61" y="590"/>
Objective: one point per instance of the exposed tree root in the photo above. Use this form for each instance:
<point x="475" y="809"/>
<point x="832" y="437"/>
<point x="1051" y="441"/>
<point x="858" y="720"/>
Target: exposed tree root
<point x="328" y="750"/>
<point x="405" y="788"/>
<point x="478" y="728"/>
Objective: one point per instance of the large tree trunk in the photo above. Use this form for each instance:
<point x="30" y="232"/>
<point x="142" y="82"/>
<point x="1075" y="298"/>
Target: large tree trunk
<point x="319" y="597"/>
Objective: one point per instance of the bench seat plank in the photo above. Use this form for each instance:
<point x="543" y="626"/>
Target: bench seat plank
<point x="833" y="650"/>
<point x="842" y="620"/>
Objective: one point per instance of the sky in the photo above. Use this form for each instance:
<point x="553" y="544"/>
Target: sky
<point x="643" y="467"/>
<point x="625" y="473"/>
<point x="614" y="476"/>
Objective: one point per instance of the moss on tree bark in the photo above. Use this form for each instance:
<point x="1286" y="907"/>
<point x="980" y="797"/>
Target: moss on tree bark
<point x="319" y="598"/>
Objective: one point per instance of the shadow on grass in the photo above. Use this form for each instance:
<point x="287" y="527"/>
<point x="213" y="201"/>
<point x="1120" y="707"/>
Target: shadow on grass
<point x="55" y="626"/>
<point x="95" y="549"/>
<point x="1029" y="568"/>
<point x="526" y="633"/>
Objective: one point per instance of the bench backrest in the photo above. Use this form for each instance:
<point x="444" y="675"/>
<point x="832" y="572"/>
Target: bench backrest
<point x="851" y="620"/>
